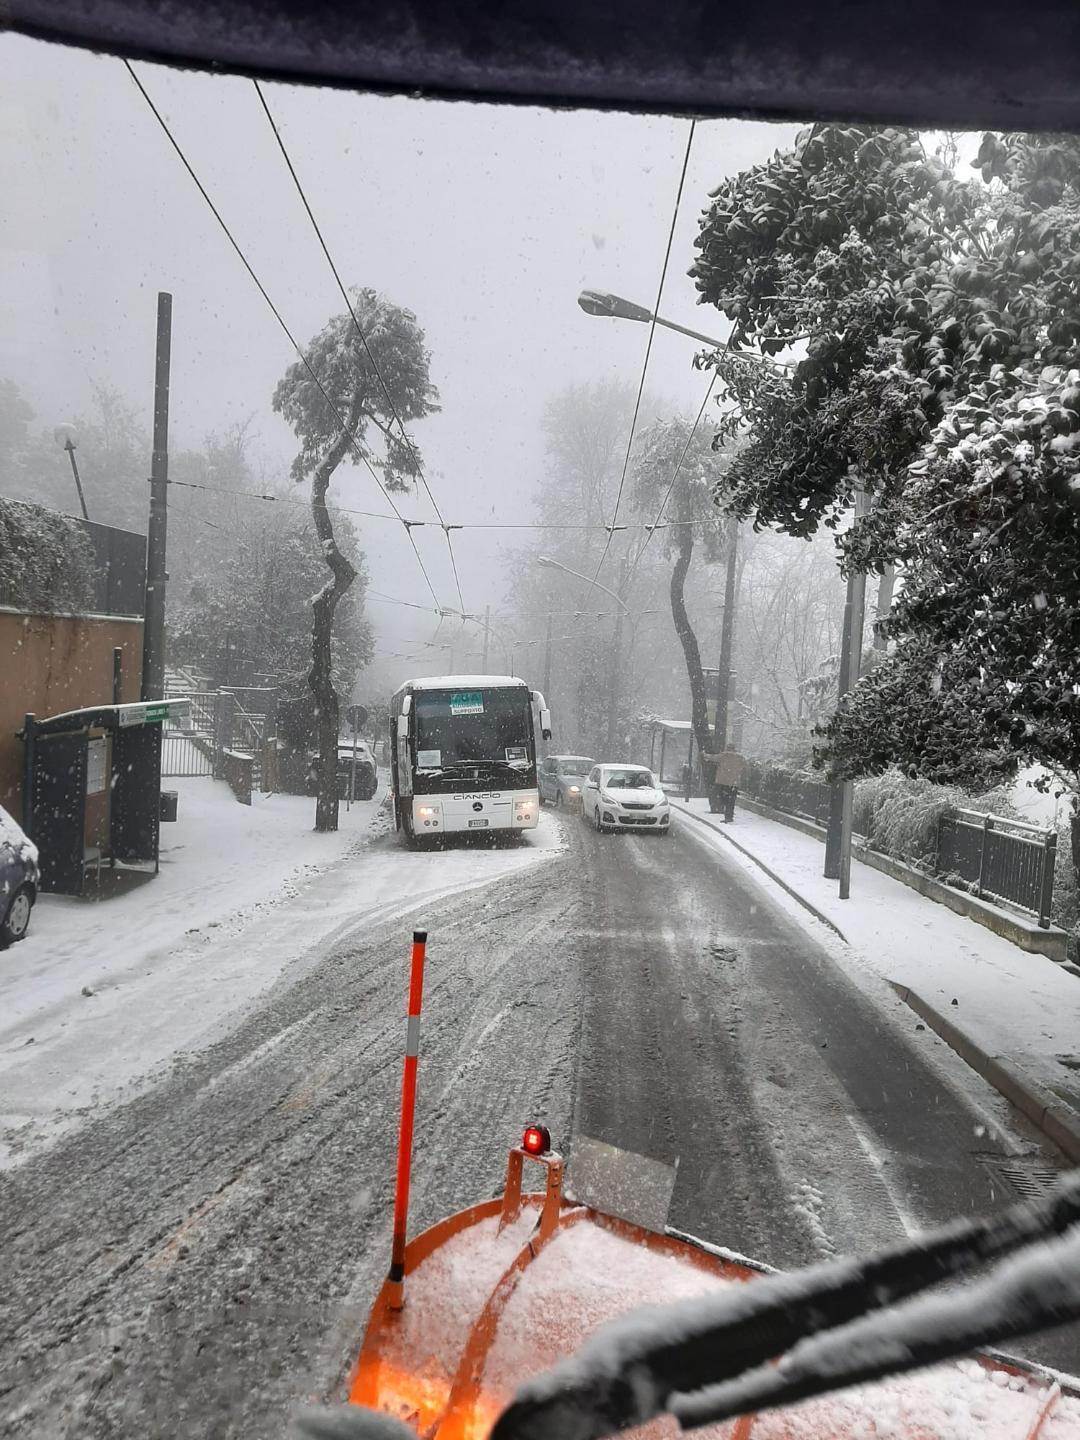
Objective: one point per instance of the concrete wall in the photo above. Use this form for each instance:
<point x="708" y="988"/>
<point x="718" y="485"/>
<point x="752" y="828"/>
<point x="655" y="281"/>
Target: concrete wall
<point x="53" y="663"/>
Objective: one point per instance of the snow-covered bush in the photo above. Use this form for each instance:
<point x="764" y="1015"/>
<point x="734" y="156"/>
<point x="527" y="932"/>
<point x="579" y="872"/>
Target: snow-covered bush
<point x="900" y="816"/>
<point x="1066" y="907"/>
<point x="47" y="562"/>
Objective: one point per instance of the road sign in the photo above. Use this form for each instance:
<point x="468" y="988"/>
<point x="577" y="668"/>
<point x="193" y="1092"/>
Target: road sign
<point x="356" y="716"/>
<point x="153" y="712"/>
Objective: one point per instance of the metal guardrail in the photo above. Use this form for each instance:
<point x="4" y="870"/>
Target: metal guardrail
<point x="220" y="723"/>
<point x="1001" y="859"/>
<point x="796" y="795"/>
<point x="993" y="857"/>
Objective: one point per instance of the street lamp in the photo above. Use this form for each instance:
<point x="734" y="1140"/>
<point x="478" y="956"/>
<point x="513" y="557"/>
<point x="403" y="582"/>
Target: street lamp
<point x="66" y="437"/>
<point x="614" y="307"/>
<point x="550" y="564"/>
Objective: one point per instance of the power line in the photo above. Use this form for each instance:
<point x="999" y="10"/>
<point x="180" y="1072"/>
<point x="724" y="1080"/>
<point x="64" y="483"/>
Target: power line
<point x="413" y="449"/>
<point x="271" y="498"/>
<point x="648" y="346"/>
<point x="278" y="317"/>
<point x="277" y="499"/>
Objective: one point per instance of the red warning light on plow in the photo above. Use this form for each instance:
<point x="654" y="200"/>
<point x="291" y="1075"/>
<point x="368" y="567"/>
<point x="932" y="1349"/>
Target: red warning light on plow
<point x="536" y="1140"/>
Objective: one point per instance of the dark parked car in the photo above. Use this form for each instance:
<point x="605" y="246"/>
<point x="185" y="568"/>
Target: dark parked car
<point x="18" y="880"/>
<point x="367" y="780"/>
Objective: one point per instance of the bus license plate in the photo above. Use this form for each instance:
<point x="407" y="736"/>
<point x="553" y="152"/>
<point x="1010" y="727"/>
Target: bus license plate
<point x="477" y="824"/>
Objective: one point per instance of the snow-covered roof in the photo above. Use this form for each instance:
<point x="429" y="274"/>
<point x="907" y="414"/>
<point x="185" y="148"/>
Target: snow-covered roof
<point x="673" y="724"/>
<point x="464" y="682"/>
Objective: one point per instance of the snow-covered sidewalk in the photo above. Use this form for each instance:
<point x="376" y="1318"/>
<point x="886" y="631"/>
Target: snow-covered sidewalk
<point x="1005" y="1003"/>
<point x="101" y="993"/>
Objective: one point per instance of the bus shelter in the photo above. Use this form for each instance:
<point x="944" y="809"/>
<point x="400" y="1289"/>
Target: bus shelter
<point x="671" y="751"/>
<point x="92" y="789"/>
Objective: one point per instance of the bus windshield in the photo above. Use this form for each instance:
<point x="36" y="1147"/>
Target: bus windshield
<point x="461" y="727"/>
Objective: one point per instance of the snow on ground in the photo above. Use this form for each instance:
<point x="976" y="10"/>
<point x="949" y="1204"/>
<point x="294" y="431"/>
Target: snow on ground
<point x="243" y="894"/>
<point x="1013" y="1004"/>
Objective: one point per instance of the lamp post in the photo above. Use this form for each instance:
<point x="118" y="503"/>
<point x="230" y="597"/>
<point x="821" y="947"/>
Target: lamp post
<point x="65" y="436"/>
<point x="550" y="564"/>
<point x="614" y="307"/>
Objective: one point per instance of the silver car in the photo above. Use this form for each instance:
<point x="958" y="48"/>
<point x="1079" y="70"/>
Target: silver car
<point x="562" y="779"/>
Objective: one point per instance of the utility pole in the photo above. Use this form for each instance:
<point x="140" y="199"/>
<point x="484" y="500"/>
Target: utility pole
<point x="616" y="662"/>
<point x="727" y="636"/>
<point x="69" y="446"/>
<point x="838" y="835"/>
<point x="153" y="675"/>
<point x="547" y="658"/>
<point x="487" y="631"/>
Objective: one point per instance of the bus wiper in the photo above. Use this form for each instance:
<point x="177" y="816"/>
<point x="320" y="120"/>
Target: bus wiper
<point x="515" y="765"/>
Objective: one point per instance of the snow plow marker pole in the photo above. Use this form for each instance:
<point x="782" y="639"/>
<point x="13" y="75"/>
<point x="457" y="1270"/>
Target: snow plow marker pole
<point x="405" y="1133"/>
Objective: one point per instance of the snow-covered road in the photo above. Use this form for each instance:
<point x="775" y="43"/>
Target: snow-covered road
<point x="101" y="994"/>
<point x="196" y="1259"/>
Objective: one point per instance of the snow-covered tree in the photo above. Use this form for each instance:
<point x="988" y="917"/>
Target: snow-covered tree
<point x="372" y="369"/>
<point x="675" y="471"/>
<point x="252" y="616"/>
<point x="942" y="324"/>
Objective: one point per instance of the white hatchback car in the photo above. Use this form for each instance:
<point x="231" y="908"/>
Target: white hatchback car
<point x="625" y="797"/>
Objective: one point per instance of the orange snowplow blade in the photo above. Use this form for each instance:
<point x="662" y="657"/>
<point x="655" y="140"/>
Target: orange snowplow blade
<point x="499" y="1293"/>
<point x="470" y="1332"/>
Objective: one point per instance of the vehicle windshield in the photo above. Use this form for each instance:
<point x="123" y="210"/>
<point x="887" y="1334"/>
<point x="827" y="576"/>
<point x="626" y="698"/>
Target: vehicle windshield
<point x="368" y="462"/>
<point x="628" y="780"/>
<point x="575" y="765"/>
<point x="456" y="728"/>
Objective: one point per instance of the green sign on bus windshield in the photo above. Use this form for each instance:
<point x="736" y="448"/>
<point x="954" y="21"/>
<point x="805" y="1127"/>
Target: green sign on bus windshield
<point x="467" y="702"/>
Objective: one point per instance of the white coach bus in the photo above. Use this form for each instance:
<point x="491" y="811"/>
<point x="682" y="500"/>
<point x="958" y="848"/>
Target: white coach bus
<point x="463" y="754"/>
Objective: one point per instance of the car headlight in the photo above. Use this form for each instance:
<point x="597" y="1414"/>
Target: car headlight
<point x="574" y="789"/>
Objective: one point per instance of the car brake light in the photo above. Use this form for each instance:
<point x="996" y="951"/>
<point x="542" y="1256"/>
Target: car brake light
<point x="536" y="1140"/>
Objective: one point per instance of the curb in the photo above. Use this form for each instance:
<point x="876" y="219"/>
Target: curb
<point x="777" y="879"/>
<point x="1057" y="1121"/>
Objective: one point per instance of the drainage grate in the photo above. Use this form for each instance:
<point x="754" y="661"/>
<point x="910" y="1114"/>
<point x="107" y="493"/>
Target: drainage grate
<point x="1028" y="1179"/>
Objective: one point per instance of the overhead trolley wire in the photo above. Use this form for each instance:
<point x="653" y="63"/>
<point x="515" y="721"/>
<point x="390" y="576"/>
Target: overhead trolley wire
<point x="410" y="445"/>
<point x="648" y="351"/>
<point x="407" y="524"/>
<point x="274" y="499"/>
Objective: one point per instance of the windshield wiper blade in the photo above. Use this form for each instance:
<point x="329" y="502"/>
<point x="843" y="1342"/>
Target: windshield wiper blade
<point x="725" y="1347"/>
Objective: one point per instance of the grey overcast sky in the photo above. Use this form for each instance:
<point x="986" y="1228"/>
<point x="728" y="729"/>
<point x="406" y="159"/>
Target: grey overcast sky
<point x="485" y="221"/>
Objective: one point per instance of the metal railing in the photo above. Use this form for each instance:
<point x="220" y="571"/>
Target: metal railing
<point x="796" y="795"/>
<point x="991" y="856"/>
<point x="1001" y="859"/>
<point x="219" y="724"/>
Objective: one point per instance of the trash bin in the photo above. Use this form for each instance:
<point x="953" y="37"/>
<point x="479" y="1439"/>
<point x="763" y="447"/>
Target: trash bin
<point x="169" y="800"/>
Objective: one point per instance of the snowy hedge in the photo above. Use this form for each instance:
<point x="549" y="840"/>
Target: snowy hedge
<point x="899" y="816"/>
<point x="47" y="562"/>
